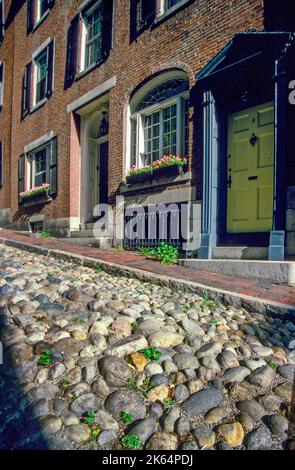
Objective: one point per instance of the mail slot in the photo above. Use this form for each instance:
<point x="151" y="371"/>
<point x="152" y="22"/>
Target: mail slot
<point x="252" y="178"/>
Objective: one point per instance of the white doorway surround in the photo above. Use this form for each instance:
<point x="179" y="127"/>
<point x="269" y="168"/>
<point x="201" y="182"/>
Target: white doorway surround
<point x="91" y="145"/>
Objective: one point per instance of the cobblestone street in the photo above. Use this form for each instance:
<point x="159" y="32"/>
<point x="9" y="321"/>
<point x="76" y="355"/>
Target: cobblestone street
<point x="95" y="361"/>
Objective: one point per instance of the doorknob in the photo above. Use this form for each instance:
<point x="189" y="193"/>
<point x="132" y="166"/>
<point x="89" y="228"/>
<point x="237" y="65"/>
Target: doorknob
<point x="253" y="139"/>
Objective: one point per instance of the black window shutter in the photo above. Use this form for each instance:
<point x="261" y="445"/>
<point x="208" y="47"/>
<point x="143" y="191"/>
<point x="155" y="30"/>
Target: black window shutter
<point x="21" y="174"/>
<point x="53" y="166"/>
<point x="50" y="69"/>
<point x="72" y="50"/>
<point x="30" y="15"/>
<point x="1" y="21"/>
<point x="1" y="84"/>
<point x="148" y="11"/>
<point x="107" y="27"/>
<point x="1" y="163"/>
<point x="26" y="94"/>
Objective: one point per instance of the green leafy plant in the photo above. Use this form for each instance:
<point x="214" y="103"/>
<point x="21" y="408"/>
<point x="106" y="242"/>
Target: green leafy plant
<point x="131" y="441"/>
<point x="92" y="427"/>
<point x="209" y="303"/>
<point x="151" y="353"/>
<point x="134" y="325"/>
<point x="45" y="234"/>
<point x="45" y="359"/>
<point x="271" y="364"/>
<point x="165" y="161"/>
<point x="98" y="269"/>
<point x="75" y="395"/>
<point x="143" y="389"/>
<point x="50" y="276"/>
<point x="63" y="384"/>
<point x="169" y="402"/>
<point x="165" y="253"/>
<point x="90" y="420"/>
<point x="187" y="307"/>
<point x="126" y="418"/>
<point x="214" y="321"/>
<point x="79" y="320"/>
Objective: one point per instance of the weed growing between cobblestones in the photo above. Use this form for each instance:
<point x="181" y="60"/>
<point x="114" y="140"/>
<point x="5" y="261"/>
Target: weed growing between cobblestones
<point x="92" y="427"/>
<point x="134" y="325"/>
<point x="143" y="389"/>
<point x="271" y="364"/>
<point x="151" y="353"/>
<point x="64" y="384"/>
<point x="210" y="303"/>
<point x="45" y="358"/>
<point x="131" y="441"/>
<point x="126" y="418"/>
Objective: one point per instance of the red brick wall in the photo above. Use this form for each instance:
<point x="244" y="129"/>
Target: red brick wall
<point x="6" y="56"/>
<point x="189" y="39"/>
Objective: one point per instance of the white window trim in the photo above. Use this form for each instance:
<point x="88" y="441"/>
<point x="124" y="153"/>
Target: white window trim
<point x="85" y="14"/>
<point x="35" y="73"/>
<point x="34" y="104"/>
<point x="140" y="143"/>
<point x="40" y="17"/>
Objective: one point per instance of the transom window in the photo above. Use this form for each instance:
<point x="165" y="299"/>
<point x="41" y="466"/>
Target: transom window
<point x="160" y="123"/>
<point x="41" y="63"/>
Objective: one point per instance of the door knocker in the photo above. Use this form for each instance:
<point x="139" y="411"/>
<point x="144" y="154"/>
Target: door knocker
<point x="253" y="139"/>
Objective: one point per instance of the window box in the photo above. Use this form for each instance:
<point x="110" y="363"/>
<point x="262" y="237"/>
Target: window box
<point x="38" y="196"/>
<point x="138" y="178"/>
<point x="167" y="171"/>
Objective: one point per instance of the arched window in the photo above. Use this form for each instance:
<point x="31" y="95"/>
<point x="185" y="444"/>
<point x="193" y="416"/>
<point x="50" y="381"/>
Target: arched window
<point x="159" y="120"/>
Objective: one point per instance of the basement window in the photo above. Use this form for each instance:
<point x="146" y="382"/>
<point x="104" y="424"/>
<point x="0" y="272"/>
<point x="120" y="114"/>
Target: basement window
<point x="37" y="227"/>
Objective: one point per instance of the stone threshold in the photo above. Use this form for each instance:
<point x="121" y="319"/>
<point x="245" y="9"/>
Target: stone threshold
<point x="226" y="297"/>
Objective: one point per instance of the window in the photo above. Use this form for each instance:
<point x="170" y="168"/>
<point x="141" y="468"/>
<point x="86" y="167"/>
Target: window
<point x="37" y="11"/>
<point x="159" y="125"/>
<point x="40" y="167"/>
<point x="93" y="37"/>
<point x="1" y="163"/>
<point x="89" y="39"/>
<point x="38" y="79"/>
<point x="1" y="84"/>
<point x="41" y="65"/>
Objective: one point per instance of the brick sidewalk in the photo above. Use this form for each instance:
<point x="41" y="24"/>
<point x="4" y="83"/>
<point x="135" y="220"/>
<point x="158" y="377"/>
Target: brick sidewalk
<point x="260" y="290"/>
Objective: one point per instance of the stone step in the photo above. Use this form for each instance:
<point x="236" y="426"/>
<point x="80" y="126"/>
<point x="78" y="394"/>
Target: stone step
<point x="89" y="226"/>
<point x="240" y="252"/>
<point x="84" y="241"/>
<point x="82" y="234"/>
<point x="277" y="272"/>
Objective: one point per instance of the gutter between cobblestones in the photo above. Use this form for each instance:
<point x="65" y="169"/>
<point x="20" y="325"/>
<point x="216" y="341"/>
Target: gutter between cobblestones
<point x="226" y="297"/>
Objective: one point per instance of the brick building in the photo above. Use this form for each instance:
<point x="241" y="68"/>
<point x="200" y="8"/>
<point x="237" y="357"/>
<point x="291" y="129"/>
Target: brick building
<point x="90" y="88"/>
